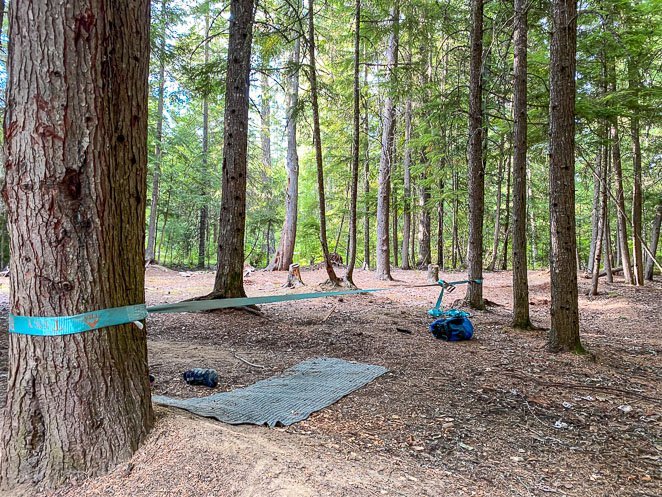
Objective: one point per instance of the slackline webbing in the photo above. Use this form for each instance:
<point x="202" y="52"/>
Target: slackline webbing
<point x="69" y="325"/>
<point x="103" y="318"/>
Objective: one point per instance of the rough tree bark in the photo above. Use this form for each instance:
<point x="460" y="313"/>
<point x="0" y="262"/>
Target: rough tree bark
<point x="317" y="138"/>
<point x="76" y="162"/>
<point x="285" y="253"/>
<point x="229" y="281"/>
<point x="521" y="316"/>
<point x="158" y="148"/>
<point x="655" y="236"/>
<point x="356" y="143"/>
<point x="386" y="157"/>
<point x="476" y="174"/>
<point x="564" y="308"/>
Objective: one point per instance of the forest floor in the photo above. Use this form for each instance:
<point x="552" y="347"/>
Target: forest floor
<point x="495" y="416"/>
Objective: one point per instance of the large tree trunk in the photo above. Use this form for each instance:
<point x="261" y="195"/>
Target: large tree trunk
<point x="386" y="158"/>
<point x="317" y="137"/>
<point x="76" y="162"/>
<point x="655" y="236"/>
<point x="564" y="309"/>
<point x="476" y="176"/>
<point x="229" y="280"/>
<point x="633" y="78"/>
<point x="521" y="316"/>
<point x="356" y="143"/>
<point x="158" y="149"/>
<point x="285" y="253"/>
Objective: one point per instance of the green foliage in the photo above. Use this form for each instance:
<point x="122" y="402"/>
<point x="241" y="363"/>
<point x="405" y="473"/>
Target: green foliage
<point x="434" y="35"/>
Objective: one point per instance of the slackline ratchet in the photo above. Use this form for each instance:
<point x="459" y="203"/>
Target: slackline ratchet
<point x="103" y="318"/>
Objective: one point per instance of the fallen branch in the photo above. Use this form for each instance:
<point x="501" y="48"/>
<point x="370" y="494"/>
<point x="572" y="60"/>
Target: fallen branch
<point x="579" y="386"/>
<point x="330" y="312"/>
<point x="615" y="270"/>
<point x="247" y="362"/>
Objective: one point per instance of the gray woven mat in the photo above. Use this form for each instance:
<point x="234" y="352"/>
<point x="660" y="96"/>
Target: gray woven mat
<point x="285" y="399"/>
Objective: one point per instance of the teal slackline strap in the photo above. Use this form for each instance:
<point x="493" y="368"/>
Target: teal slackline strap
<point x="68" y="325"/>
<point x="208" y="305"/>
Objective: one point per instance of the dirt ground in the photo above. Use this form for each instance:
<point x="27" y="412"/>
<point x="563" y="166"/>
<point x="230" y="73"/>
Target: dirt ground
<point x="495" y="416"/>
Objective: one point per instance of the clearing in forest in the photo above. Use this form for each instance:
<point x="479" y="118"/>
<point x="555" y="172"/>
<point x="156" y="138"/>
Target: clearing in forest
<point x="494" y="416"/>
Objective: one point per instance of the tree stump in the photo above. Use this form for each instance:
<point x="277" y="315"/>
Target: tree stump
<point x="294" y="277"/>
<point x="433" y="273"/>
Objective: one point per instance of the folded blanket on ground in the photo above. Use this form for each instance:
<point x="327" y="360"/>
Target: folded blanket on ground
<point x="285" y="399"/>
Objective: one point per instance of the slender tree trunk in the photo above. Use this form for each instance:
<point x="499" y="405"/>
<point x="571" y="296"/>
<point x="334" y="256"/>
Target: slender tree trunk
<point x="507" y="227"/>
<point x="265" y="148"/>
<point x="229" y="281"/>
<point x="285" y="253"/>
<point x="204" y="212"/>
<point x="366" y="178"/>
<point x="633" y="78"/>
<point x="655" y="236"/>
<point x="564" y="309"/>
<point x="521" y="316"/>
<point x="601" y="215"/>
<point x="476" y="176"/>
<point x="317" y="137"/>
<point x="424" y="221"/>
<point x="595" y="214"/>
<point x="158" y="151"/>
<point x="356" y="144"/>
<point x="455" y="241"/>
<point x="623" y="244"/>
<point x="386" y="158"/>
<point x="394" y="212"/>
<point x="440" y="227"/>
<point x="165" y="222"/>
<point x="76" y="164"/>
<point x="406" y="218"/>
<point x="533" y="230"/>
<point x="497" y="210"/>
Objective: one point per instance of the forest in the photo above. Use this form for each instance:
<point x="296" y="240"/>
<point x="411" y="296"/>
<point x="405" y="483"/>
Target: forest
<point x="426" y="80"/>
<point x="307" y="176"/>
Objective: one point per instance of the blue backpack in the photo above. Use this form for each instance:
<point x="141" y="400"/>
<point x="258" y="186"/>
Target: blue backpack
<point x="452" y="329"/>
